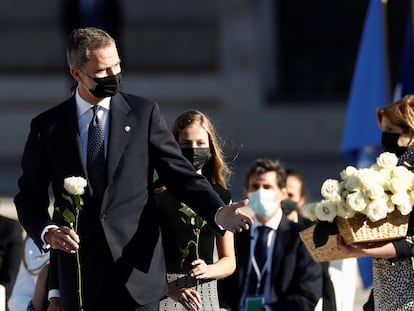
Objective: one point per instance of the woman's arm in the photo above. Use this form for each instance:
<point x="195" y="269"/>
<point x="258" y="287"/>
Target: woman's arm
<point x="40" y="290"/>
<point x="377" y="250"/>
<point x="224" y="266"/>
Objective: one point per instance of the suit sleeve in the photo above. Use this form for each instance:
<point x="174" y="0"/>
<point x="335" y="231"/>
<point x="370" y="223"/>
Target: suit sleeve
<point x="32" y="201"/>
<point x="305" y="288"/>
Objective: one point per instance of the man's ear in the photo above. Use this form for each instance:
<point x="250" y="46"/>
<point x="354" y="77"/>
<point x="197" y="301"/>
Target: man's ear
<point x="74" y="72"/>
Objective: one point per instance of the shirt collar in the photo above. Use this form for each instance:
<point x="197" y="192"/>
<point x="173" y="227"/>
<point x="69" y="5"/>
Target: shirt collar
<point x="273" y="223"/>
<point x="82" y="106"/>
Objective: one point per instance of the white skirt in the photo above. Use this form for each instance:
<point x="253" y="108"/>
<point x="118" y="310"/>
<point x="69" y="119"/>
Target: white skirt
<point x="206" y="288"/>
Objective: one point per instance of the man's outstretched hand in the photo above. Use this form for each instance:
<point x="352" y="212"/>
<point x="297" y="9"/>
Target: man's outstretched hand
<point x="231" y="218"/>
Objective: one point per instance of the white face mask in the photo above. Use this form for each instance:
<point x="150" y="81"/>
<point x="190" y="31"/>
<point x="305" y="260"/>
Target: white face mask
<point x="262" y="202"/>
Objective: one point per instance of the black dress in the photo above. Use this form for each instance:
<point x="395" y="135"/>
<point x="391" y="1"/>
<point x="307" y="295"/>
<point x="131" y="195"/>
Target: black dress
<point x="176" y="233"/>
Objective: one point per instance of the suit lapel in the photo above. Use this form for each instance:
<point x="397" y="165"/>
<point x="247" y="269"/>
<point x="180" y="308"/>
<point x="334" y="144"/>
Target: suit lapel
<point x="119" y="133"/>
<point x="282" y="239"/>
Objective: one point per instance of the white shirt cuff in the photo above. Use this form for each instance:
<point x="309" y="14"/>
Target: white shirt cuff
<point x="42" y="235"/>
<point x="53" y="293"/>
<point x="215" y="219"/>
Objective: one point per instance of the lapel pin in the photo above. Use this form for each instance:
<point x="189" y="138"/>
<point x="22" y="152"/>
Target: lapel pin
<point x="127" y="128"/>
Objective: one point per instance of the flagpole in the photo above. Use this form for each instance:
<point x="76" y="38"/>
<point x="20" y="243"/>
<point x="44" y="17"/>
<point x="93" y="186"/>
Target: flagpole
<point x="386" y="50"/>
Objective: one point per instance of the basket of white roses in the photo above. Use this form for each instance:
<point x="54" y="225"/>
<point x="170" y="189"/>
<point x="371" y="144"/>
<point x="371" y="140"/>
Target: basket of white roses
<point x="326" y="252"/>
<point x="366" y="205"/>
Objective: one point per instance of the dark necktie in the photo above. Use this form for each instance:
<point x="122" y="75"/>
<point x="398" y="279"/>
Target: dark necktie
<point x="260" y="251"/>
<point x="96" y="156"/>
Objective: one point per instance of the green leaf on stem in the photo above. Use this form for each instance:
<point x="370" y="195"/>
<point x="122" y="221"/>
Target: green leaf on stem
<point x="68" y="216"/>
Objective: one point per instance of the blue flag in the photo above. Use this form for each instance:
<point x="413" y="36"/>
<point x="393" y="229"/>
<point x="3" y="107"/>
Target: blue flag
<point x="369" y="88"/>
<point x="407" y="79"/>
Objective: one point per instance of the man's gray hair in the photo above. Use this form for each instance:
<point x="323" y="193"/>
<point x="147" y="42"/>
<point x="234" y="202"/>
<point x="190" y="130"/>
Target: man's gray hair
<point x="81" y="41"/>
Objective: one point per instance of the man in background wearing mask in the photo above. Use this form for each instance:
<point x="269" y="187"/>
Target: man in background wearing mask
<point x="274" y="269"/>
<point x="115" y="141"/>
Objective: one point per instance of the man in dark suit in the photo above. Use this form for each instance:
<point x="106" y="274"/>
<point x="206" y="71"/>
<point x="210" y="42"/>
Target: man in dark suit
<point x="275" y="271"/>
<point x="118" y="238"/>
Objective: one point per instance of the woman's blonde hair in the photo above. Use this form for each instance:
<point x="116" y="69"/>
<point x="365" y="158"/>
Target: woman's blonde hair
<point x="400" y="113"/>
<point x="216" y="170"/>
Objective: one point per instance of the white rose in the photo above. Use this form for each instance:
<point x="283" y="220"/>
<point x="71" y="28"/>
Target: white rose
<point x="377" y="210"/>
<point x="349" y="171"/>
<point x="401" y="179"/>
<point x="330" y="189"/>
<point x="343" y="210"/>
<point x="75" y="185"/>
<point x="368" y="177"/>
<point x="405" y="208"/>
<point x="385" y="176"/>
<point x="387" y="160"/>
<point x="356" y="201"/>
<point x="402" y="201"/>
<point x="352" y="182"/>
<point x="398" y="184"/>
<point x="375" y="191"/>
<point x="400" y="198"/>
<point x="390" y="205"/>
<point x="325" y="210"/>
<point x="308" y="211"/>
<point x="401" y="172"/>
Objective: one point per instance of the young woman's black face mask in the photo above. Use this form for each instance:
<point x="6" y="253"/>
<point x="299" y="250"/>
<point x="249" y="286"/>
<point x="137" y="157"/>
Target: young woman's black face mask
<point x="197" y="156"/>
<point x="390" y="143"/>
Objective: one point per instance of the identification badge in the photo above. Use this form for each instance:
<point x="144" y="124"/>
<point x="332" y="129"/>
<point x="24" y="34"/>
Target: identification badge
<point x="253" y="303"/>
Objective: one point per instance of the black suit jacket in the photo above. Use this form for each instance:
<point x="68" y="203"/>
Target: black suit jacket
<point x="296" y="280"/>
<point x="139" y="142"/>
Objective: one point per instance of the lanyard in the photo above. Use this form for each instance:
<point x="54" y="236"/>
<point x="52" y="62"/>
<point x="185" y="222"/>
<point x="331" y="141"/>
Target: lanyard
<point x="267" y="265"/>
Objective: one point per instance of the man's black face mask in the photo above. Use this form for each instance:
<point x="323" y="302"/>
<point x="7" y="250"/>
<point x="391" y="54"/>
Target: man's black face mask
<point x="107" y="86"/>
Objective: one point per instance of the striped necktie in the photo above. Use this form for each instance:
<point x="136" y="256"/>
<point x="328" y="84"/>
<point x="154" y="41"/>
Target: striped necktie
<point x="96" y="155"/>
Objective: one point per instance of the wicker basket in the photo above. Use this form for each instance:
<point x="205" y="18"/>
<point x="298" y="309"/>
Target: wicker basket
<point x="327" y="252"/>
<point x="359" y="229"/>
